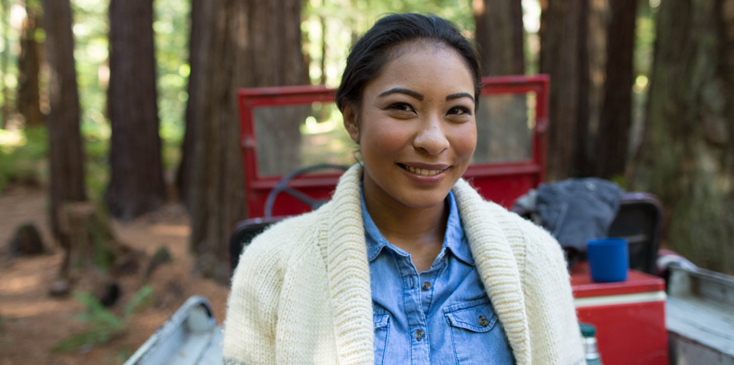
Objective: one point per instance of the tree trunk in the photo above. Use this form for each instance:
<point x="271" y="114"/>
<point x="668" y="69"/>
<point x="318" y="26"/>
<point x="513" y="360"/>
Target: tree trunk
<point x="5" y="109"/>
<point x="596" y="43"/>
<point x="499" y="36"/>
<point x="688" y="152"/>
<point x="198" y="30"/>
<point x="580" y="163"/>
<point x="29" y="65"/>
<point x="136" y="181"/>
<point x="92" y="242"/>
<point x="66" y="157"/>
<point x="502" y="133"/>
<point x="616" y="113"/>
<point x="251" y="43"/>
<point x="323" y="50"/>
<point x="559" y="57"/>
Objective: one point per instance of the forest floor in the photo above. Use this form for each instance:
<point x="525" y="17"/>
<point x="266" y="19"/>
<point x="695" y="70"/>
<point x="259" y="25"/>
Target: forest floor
<point x="32" y="322"/>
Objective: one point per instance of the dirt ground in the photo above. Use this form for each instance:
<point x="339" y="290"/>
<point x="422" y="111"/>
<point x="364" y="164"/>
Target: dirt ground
<point x="32" y="322"/>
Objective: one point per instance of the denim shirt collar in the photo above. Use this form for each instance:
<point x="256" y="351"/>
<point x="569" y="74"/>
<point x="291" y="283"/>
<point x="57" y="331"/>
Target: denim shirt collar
<point x="454" y="239"/>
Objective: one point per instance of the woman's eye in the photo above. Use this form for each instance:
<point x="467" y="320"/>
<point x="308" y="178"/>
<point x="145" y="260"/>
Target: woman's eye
<point x="459" y="110"/>
<point x="403" y="107"/>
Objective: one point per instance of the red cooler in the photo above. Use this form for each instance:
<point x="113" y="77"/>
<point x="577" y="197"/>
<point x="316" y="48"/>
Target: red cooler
<point x="629" y="316"/>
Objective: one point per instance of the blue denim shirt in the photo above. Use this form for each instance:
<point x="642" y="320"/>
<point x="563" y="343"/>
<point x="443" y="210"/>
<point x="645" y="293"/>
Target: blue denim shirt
<point x="440" y="316"/>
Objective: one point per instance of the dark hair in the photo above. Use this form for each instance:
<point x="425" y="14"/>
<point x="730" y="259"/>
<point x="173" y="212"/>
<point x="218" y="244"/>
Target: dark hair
<point x="376" y="47"/>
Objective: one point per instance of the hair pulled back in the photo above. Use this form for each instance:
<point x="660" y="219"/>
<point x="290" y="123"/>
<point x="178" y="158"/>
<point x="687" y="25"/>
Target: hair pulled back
<point x="379" y="45"/>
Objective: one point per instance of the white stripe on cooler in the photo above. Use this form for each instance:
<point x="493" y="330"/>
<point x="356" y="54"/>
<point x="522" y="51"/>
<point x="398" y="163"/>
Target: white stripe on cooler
<point x="620" y="299"/>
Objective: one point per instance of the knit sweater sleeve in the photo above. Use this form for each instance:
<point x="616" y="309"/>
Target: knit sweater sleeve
<point x="554" y="329"/>
<point x="249" y="331"/>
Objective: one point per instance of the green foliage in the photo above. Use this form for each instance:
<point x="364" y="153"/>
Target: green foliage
<point x="122" y="355"/>
<point x="620" y="180"/>
<point x="142" y="299"/>
<point x="103" y="324"/>
<point x="22" y="153"/>
<point x="172" y="24"/>
<point x="346" y="20"/>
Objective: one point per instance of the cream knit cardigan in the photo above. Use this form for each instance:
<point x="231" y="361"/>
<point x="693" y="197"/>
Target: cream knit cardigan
<point x="301" y="292"/>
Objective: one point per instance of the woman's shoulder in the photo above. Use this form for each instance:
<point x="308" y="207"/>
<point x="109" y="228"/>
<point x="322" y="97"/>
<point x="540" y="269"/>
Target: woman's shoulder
<point x="282" y="242"/>
<point x="534" y="235"/>
<point x="536" y="243"/>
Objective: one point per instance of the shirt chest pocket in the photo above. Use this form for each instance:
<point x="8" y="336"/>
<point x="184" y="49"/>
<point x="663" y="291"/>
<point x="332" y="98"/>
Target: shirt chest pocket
<point x="476" y="334"/>
<point x="382" y="330"/>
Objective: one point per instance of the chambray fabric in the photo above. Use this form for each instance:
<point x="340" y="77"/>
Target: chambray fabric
<point x="454" y="313"/>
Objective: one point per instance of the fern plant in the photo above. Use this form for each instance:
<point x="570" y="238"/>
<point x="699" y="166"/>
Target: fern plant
<point x="103" y="324"/>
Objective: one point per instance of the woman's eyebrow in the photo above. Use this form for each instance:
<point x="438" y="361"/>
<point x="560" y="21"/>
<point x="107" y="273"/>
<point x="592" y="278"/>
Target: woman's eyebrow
<point x="459" y="95"/>
<point x="408" y="92"/>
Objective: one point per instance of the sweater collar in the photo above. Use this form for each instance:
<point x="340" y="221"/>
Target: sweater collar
<point x="349" y="275"/>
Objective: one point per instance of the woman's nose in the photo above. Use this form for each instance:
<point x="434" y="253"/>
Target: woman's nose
<point x="431" y="137"/>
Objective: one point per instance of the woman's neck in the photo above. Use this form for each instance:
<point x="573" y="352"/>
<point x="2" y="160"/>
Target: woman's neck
<point x="418" y="231"/>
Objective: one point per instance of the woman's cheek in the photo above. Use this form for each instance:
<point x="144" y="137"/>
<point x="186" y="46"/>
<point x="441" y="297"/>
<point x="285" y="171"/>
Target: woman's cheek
<point x="465" y="140"/>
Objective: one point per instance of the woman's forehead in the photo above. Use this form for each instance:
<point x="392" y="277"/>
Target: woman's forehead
<point x="425" y="64"/>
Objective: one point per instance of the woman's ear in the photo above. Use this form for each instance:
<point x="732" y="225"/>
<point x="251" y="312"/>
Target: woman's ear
<point x="351" y="121"/>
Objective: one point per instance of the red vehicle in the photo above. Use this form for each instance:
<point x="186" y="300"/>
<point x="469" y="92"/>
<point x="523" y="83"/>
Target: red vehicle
<point x="512" y="121"/>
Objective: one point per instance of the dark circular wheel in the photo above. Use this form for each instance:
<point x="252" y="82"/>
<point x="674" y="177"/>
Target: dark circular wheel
<point x="283" y="187"/>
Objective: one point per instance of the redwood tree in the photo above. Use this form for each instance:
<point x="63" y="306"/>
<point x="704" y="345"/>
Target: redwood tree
<point x="136" y="181"/>
<point x="499" y="37"/>
<point x="616" y="113"/>
<point x="249" y="43"/>
<point x="559" y="57"/>
<point x="66" y="157"/>
<point x="501" y="120"/>
<point x="29" y="64"/>
<point x="687" y="158"/>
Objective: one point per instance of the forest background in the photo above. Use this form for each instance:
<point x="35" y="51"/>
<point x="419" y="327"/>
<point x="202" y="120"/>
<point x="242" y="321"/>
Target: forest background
<point x="130" y="104"/>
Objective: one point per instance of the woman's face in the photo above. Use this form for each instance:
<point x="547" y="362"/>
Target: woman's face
<point x="416" y="127"/>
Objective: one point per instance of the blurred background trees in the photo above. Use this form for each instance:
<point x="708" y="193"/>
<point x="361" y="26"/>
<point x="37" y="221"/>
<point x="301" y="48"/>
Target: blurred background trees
<point x="250" y="44"/>
<point x="66" y="157"/>
<point x="136" y="173"/>
<point x="641" y="93"/>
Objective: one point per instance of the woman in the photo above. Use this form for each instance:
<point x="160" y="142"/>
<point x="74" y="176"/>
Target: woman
<point x="407" y="263"/>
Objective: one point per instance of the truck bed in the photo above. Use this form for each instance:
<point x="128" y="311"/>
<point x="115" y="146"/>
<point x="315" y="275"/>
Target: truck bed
<point x="700" y="317"/>
<point x="191" y="336"/>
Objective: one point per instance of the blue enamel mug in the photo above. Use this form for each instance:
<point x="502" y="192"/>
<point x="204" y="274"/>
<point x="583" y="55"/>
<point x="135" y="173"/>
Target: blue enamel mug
<point x="608" y="259"/>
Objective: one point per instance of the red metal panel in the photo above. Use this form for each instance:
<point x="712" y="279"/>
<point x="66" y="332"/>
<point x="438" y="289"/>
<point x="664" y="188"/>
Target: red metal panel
<point x="632" y="333"/>
<point x="502" y="183"/>
<point x="629" y="334"/>
<point x="637" y="282"/>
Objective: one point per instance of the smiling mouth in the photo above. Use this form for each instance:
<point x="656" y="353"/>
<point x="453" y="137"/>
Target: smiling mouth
<point x="424" y="172"/>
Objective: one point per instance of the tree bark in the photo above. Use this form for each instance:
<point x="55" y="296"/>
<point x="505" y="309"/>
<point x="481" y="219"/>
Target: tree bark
<point x="580" y="163"/>
<point x="251" y="43"/>
<point x="596" y="43"/>
<point x="688" y="152"/>
<point x="559" y="57"/>
<point x="136" y="181"/>
<point x="198" y="30"/>
<point x="499" y="37"/>
<point x="616" y="113"/>
<point x="29" y="65"/>
<point x="502" y="133"/>
<point x="5" y="109"/>
<point x="66" y="157"/>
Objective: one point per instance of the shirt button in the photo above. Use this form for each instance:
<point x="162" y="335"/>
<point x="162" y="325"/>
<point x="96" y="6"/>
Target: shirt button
<point x="426" y="285"/>
<point x="483" y="321"/>
<point x="419" y="335"/>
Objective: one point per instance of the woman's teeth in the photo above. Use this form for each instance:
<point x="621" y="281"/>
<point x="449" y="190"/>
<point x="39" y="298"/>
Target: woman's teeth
<point x="423" y="172"/>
